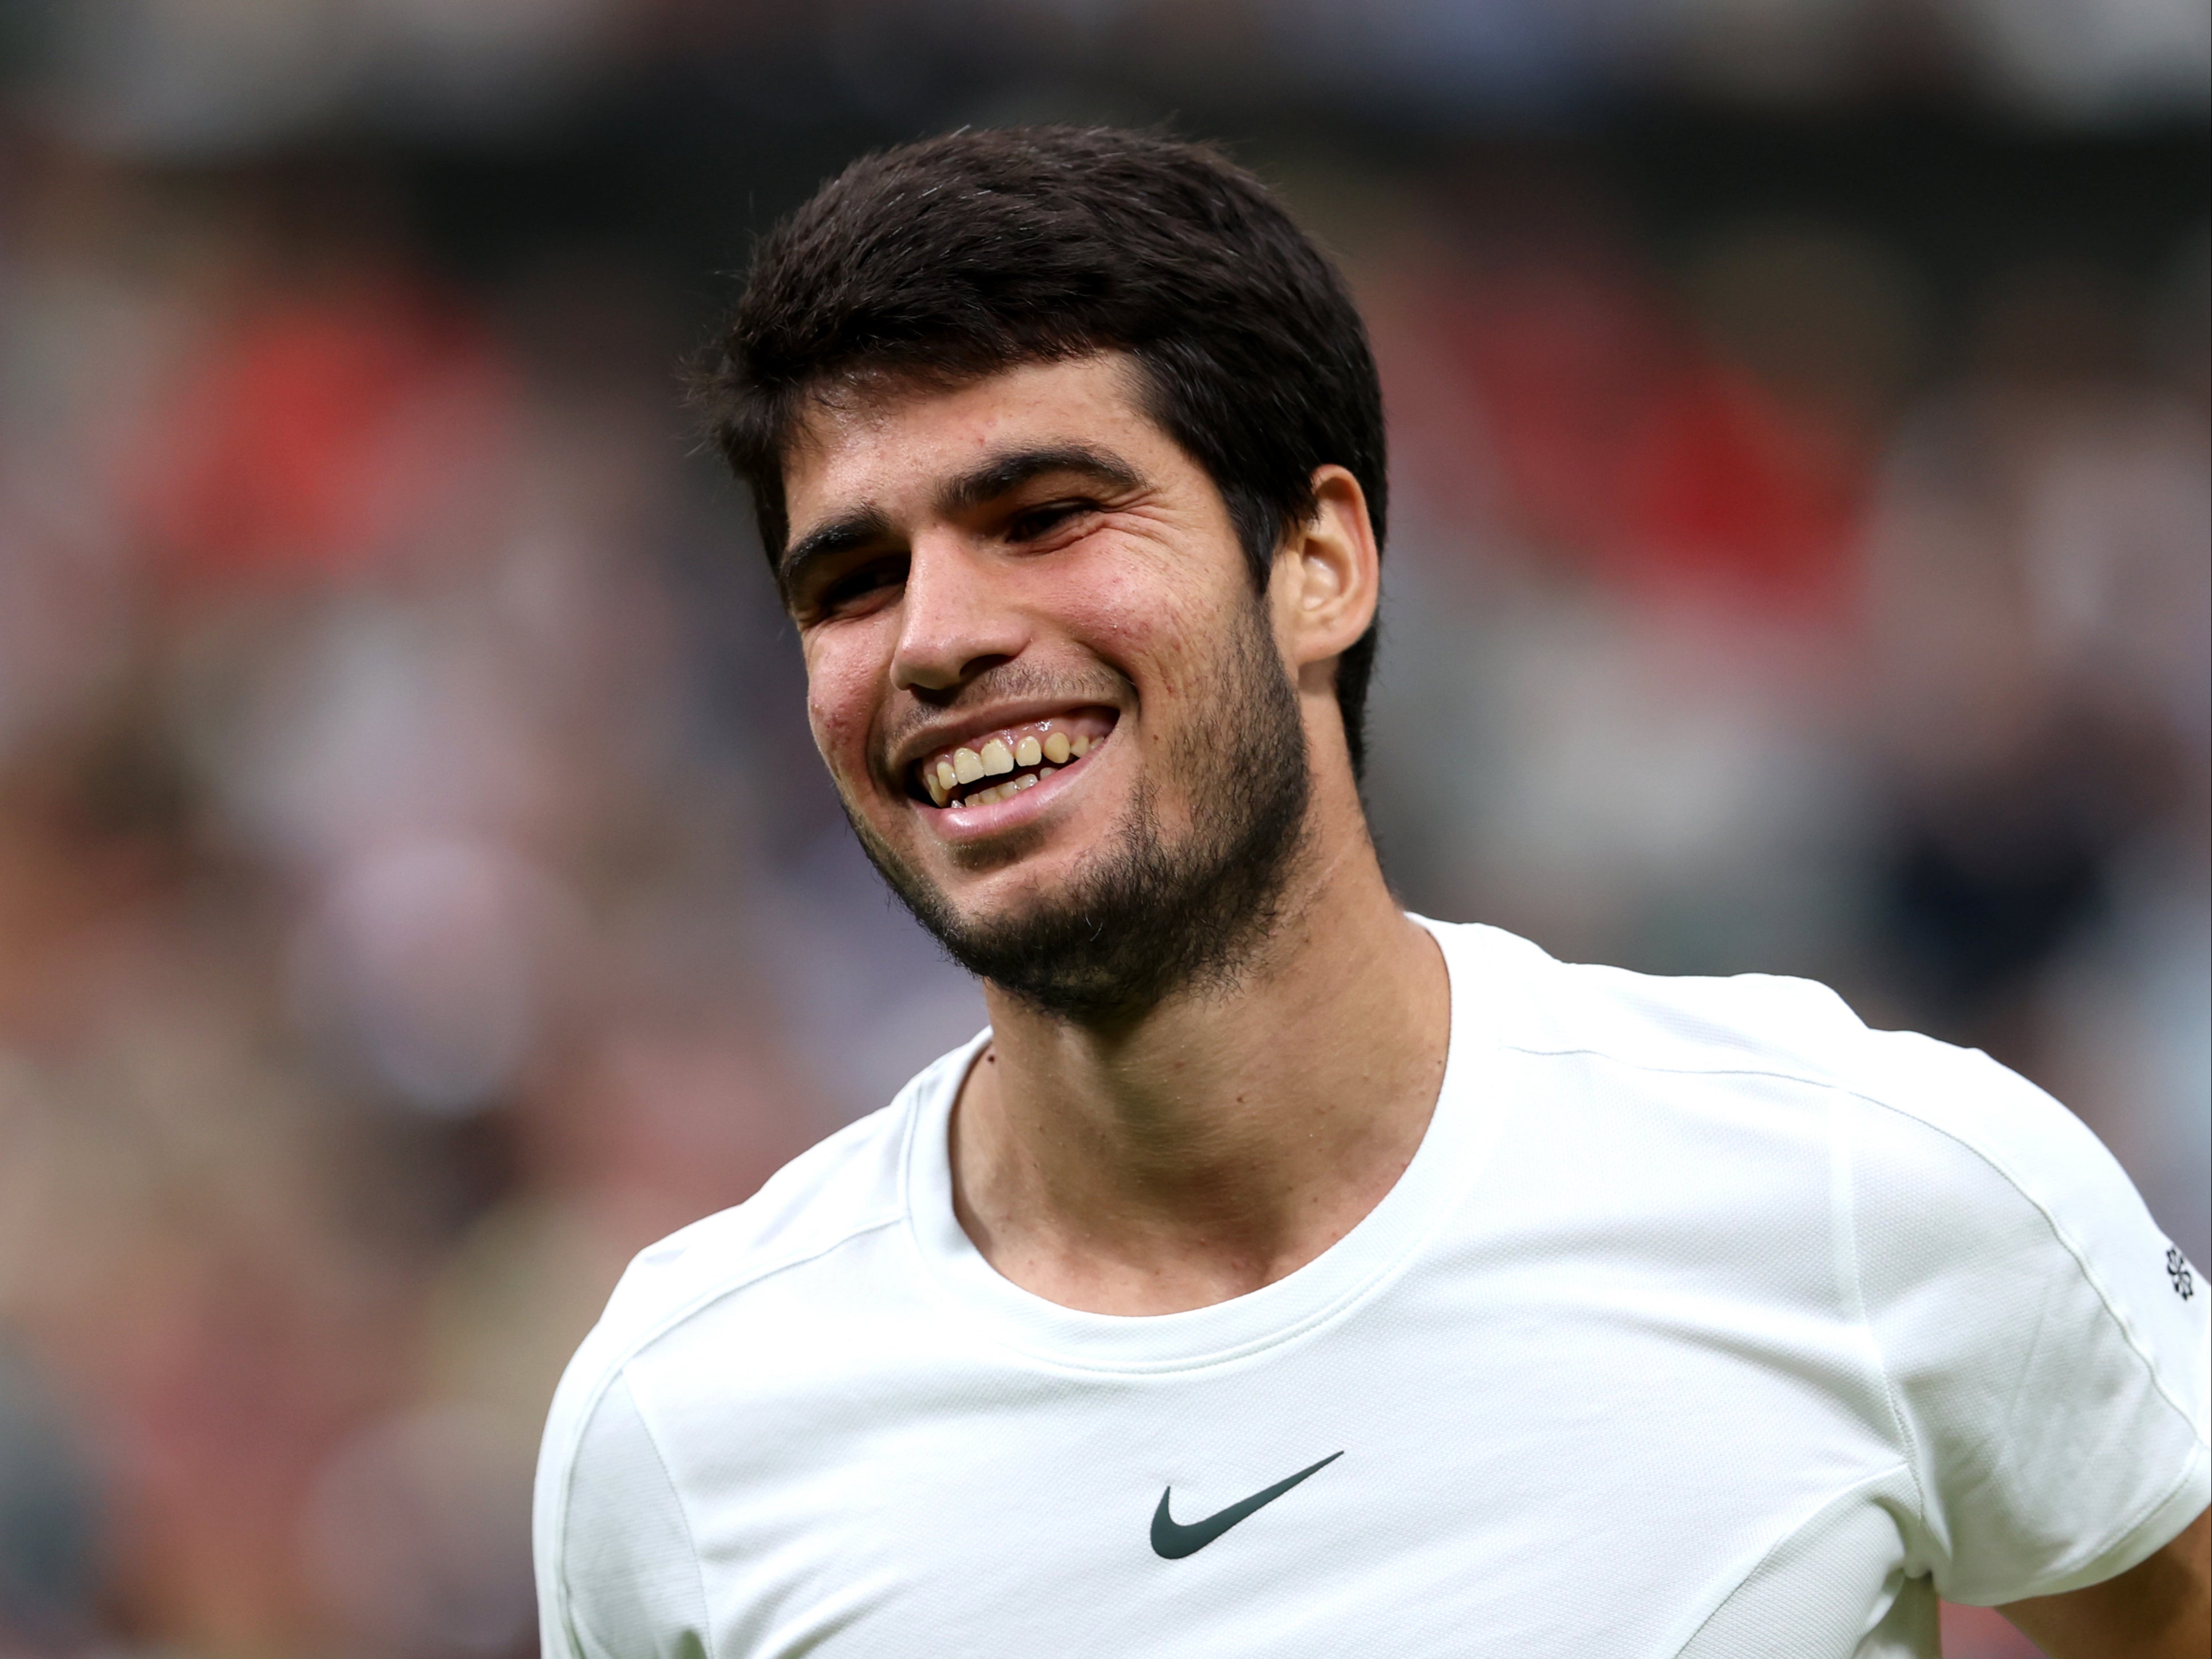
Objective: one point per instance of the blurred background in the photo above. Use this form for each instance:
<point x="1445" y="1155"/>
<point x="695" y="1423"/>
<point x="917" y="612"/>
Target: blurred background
<point x="417" y="889"/>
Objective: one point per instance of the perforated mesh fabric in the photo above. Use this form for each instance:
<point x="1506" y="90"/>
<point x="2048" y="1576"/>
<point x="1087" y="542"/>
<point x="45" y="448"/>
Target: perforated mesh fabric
<point x="1812" y="1591"/>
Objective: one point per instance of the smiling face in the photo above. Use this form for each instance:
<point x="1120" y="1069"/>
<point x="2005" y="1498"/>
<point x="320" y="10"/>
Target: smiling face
<point x="1059" y="717"/>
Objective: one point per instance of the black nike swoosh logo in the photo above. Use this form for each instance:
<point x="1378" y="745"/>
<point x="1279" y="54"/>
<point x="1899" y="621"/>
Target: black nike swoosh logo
<point x="1174" y="1541"/>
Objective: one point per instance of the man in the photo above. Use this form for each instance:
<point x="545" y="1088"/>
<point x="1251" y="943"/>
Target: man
<point x="1280" y="1274"/>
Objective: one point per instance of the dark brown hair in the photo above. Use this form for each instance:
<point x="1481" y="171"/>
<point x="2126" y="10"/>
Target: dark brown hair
<point x="960" y="256"/>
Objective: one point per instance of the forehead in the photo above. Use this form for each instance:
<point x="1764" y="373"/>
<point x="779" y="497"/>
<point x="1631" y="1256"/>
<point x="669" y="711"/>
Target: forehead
<point x="890" y="443"/>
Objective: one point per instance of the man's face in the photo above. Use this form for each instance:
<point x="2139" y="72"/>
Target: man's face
<point x="1052" y="701"/>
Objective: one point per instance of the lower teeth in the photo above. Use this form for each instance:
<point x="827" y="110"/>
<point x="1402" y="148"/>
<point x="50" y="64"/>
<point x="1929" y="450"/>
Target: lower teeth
<point x="1000" y="791"/>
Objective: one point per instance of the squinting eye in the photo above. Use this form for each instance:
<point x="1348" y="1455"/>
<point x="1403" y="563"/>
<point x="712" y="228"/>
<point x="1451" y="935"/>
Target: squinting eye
<point x="1042" y="520"/>
<point x="858" y="584"/>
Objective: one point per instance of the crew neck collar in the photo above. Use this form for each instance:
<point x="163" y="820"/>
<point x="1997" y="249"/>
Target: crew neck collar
<point x="1451" y="1150"/>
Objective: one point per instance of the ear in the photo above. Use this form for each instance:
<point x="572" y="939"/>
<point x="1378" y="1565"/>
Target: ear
<point x="1327" y="578"/>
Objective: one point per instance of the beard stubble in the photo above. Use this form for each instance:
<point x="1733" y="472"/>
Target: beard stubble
<point x="1148" y="916"/>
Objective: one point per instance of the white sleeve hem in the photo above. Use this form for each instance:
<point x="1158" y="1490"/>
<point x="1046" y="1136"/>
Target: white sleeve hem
<point x="2190" y="1496"/>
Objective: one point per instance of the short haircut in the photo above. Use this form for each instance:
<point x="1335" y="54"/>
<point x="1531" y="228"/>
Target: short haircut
<point x="949" y="260"/>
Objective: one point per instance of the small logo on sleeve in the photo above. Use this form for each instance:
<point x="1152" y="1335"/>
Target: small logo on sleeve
<point x="2177" y="1269"/>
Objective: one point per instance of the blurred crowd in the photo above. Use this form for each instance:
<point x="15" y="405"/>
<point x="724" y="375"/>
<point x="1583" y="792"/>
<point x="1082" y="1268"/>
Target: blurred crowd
<point x="418" y="892"/>
<point x="388" y="916"/>
<point x="1766" y="634"/>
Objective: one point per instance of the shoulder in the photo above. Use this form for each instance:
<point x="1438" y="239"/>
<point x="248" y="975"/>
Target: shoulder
<point x="1950" y="1156"/>
<point x="610" y="1532"/>
<point x="1948" y="1142"/>
<point x="843" y="1187"/>
<point x="1765" y="1025"/>
<point x="838" y="1190"/>
<point x="1945" y="1100"/>
<point x="2042" y="1346"/>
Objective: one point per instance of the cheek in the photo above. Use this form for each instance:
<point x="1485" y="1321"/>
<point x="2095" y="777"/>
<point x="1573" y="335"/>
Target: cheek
<point x="823" y="719"/>
<point x="1147" y="618"/>
<point x="838" y="708"/>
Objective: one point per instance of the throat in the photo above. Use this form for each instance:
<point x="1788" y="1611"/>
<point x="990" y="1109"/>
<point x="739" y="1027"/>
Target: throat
<point x="1186" y="1168"/>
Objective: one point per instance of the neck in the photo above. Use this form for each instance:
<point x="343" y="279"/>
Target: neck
<point x="1225" y="1137"/>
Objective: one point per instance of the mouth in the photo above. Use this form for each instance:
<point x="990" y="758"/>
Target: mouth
<point x="1000" y="763"/>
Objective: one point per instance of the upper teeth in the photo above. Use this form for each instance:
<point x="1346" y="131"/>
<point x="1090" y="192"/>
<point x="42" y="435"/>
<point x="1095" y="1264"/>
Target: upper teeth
<point x="948" y="777"/>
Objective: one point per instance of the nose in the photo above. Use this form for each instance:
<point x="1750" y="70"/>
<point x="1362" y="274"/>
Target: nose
<point x="955" y="621"/>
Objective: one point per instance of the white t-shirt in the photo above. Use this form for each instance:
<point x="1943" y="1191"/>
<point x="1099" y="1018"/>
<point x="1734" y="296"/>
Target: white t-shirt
<point x="1705" y="1321"/>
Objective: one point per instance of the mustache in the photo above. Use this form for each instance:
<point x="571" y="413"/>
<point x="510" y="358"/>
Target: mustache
<point x="1007" y="681"/>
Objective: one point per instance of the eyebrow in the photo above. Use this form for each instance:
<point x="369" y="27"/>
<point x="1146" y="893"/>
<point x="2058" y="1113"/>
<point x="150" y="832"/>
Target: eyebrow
<point x="843" y="535"/>
<point x="1002" y="474"/>
<point x="997" y="476"/>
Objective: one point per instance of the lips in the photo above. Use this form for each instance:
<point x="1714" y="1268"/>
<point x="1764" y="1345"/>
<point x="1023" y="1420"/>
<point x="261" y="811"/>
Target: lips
<point x="996" y="764"/>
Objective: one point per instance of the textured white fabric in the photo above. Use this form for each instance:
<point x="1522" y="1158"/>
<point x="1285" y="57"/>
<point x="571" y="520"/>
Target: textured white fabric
<point x="1705" y="1322"/>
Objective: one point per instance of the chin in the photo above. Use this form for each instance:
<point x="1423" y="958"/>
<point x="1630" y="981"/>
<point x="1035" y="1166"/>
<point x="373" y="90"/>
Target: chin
<point x="1015" y="905"/>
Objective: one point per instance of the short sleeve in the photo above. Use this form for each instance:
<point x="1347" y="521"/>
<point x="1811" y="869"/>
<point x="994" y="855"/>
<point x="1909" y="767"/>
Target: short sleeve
<point x="2045" y="1347"/>
<point x="618" y="1577"/>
